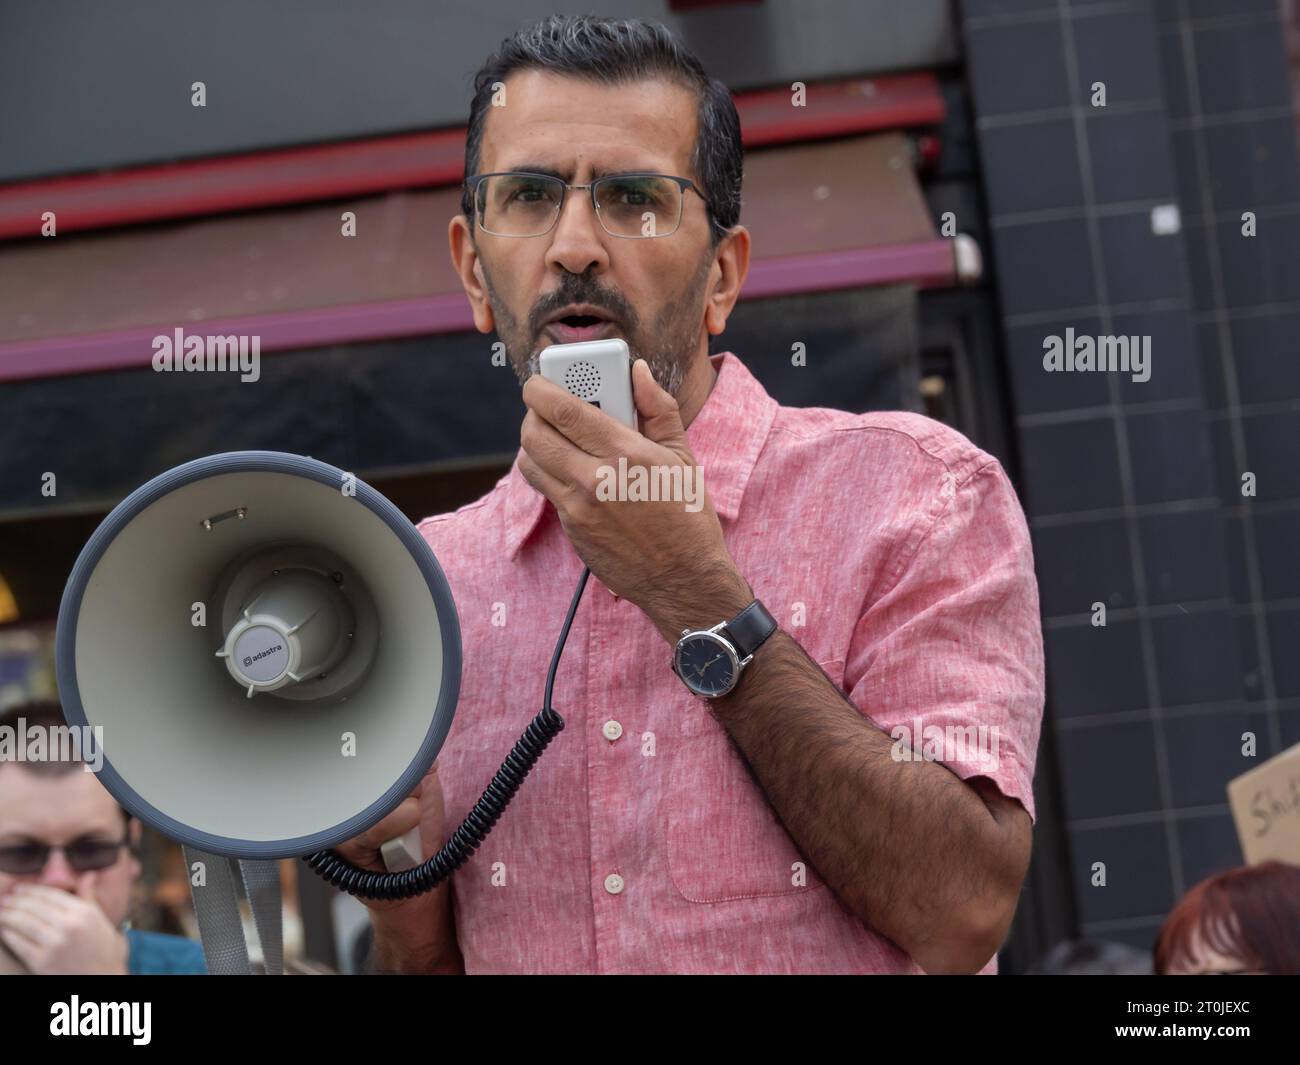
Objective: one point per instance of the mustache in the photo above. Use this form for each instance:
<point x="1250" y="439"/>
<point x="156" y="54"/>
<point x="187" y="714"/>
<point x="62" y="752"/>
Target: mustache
<point x="614" y="305"/>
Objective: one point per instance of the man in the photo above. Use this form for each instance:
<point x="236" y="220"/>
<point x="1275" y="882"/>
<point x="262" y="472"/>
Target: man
<point x="67" y="864"/>
<point x="778" y="827"/>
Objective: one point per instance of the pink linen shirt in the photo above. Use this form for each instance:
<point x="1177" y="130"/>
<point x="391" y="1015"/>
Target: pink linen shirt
<point x="887" y="545"/>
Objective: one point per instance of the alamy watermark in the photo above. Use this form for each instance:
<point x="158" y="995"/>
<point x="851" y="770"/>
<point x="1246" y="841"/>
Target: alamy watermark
<point x="206" y="354"/>
<point x="1079" y="354"/>
<point x="651" y="484"/>
<point x="77" y="1018"/>
<point x="56" y="743"/>
<point x="977" y="745"/>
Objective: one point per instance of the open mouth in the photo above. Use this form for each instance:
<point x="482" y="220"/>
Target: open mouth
<point x="573" y="328"/>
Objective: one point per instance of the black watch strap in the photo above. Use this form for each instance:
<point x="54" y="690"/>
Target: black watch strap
<point x="748" y="629"/>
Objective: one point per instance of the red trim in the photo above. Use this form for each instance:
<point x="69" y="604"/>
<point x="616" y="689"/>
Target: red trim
<point x="835" y="109"/>
<point x="133" y="348"/>
<point x="365" y="167"/>
<point x="927" y="264"/>
<point x="241" y="182"/>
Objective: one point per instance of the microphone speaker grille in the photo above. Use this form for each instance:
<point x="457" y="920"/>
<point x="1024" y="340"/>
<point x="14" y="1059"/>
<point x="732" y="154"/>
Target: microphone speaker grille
<point x="582" y="379"/>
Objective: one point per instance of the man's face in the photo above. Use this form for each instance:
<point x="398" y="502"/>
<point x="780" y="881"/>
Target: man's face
<point x="57" y="810"/>
<point x="654" y="289"/>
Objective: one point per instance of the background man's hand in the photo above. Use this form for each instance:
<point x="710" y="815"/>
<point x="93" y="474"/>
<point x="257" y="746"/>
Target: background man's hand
<point x="55" y="933"/>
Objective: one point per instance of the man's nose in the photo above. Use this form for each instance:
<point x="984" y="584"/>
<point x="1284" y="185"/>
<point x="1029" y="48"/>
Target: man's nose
<point x="577" y="240"/>
<point x="58" y="873"/>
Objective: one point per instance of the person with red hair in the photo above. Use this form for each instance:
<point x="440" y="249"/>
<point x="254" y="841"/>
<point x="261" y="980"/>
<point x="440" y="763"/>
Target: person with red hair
<point x="1242" y="922"/>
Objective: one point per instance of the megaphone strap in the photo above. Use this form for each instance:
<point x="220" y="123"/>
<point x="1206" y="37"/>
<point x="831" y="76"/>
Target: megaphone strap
<point x="262" y="886"/>
<point x="212" y="886"/>
<point x="216" y="905"/>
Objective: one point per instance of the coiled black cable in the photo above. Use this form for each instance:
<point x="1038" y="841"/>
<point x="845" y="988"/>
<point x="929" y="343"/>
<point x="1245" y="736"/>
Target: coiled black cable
<point x="365" y="884"/>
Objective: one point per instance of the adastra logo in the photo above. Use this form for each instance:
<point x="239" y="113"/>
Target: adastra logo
<point x="250" y="659"/>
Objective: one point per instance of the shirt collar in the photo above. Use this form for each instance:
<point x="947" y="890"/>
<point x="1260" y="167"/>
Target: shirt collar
<point x="726" y="437"/>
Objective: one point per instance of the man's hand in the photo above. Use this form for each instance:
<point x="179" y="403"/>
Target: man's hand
<point x="423" y="807"/>
<point x="54" y="933"/>
<point x="659" y="555"/>
<point x="415" y="935"/>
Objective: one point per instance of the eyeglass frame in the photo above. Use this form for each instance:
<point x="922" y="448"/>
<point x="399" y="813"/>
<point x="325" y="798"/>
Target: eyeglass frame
<point x="50" y="848"/>
<point x="472" y="183"/>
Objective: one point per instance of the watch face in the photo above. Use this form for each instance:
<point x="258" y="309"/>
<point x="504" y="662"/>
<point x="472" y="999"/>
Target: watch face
<point x="706" y="665"/>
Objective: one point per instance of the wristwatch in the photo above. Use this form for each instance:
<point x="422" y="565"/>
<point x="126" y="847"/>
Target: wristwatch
<point x="709" y="661"/>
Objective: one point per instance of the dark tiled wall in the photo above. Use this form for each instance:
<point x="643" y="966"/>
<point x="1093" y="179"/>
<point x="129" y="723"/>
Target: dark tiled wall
<point x="1127" y="220"/>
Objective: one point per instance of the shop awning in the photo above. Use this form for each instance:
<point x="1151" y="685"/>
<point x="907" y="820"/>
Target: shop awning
<point x="836" y="214"/>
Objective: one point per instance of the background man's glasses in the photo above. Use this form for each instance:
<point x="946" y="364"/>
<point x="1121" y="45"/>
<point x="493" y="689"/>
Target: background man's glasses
<point x="83" y="855"/>
<point x="519" y="204"/>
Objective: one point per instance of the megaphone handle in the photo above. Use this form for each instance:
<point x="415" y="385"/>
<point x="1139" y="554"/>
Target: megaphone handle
<point x="404" y="852"/>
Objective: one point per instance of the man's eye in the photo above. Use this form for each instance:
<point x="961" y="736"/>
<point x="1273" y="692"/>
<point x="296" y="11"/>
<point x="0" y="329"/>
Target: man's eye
<point x="530" y="193"/>
<point x="22" y="856"/>
<point x="632" y="195"/>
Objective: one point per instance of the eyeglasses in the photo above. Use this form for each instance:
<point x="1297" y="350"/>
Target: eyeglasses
<point x="521" y="204"/>
<point x="28" y="859"/>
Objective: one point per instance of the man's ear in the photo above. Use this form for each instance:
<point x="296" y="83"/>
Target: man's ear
<point x="733" y="267"/>
<point x="468" y="265"/>
<point x="134" y="833"/>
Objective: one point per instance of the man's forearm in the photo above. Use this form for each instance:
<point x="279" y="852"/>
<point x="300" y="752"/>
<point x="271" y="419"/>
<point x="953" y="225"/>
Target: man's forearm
<point x="909" y="847"/>
<point x="422" y="940"/>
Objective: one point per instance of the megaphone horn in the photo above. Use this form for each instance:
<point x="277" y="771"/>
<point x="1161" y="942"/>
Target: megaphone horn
<point x="271" y="649"/>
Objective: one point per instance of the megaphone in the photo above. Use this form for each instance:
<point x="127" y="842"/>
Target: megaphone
<point x="271" y="656"/>
<point x="270" y="648"/>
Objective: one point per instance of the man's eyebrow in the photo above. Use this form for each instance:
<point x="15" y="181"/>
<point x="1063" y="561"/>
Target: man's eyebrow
<point x="596" y="172"/>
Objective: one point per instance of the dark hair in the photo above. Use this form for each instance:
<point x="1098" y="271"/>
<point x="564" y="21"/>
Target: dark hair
<point x="44" y="714"/>
<point x="614" y="51"/>
<point x="1250" y="914"/>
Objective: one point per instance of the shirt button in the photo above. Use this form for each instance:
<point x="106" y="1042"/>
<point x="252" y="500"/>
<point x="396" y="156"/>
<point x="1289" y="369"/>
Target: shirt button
<point x="613" y="883"/>
<point x="612" y="730"/>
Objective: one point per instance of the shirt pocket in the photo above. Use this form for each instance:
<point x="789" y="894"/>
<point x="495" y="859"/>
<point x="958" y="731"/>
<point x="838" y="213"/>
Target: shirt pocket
<point x="724" y="840"/>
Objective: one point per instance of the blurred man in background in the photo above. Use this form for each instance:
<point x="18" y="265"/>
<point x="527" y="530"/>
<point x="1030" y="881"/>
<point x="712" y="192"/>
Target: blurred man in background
<point x="67" y="866"/>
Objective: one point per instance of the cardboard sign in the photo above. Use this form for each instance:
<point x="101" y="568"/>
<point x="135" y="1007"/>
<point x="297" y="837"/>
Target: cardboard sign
<point x="1266" y="808"/>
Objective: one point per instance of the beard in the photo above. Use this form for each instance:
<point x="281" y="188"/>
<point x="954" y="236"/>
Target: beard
<point x="667" y="342"/>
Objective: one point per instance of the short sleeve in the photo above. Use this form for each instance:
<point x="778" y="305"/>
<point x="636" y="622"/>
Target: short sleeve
<point x="949" y="660"/>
